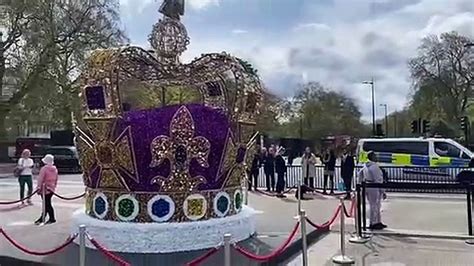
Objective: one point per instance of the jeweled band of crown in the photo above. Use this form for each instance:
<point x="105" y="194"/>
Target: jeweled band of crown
<point x="161" y="141"/>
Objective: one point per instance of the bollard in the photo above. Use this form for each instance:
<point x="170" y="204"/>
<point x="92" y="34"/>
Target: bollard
<point x="358" y="238"/>
<point x="303" y="237"/>
<point x="43" y="202"/>
<point x="343" y="259"/>
<point x="227" y="238"/>
<point x="82" y="245"/>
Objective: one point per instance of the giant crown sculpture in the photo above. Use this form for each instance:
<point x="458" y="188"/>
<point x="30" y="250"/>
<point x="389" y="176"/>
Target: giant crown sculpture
<point x="161" y="141"/>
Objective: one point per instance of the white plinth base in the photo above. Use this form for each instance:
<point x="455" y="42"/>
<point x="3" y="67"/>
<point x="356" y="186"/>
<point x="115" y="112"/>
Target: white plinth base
<point x="166" y="237"/>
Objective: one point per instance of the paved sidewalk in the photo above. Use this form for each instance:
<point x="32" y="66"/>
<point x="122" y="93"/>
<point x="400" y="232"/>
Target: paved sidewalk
<point x="392" y="251"/>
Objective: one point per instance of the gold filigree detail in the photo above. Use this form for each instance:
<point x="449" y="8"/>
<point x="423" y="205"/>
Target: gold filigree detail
<point x="109" y="179"/>
<point x="180" y="148"/>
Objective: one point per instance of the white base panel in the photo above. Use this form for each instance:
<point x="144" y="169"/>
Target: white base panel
<point x="166" y="237"/>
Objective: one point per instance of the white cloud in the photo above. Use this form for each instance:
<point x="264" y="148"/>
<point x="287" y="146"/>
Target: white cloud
<point x="239" y="31"/>
<point x="202" y="4"/>
<point x="339" y="44"/>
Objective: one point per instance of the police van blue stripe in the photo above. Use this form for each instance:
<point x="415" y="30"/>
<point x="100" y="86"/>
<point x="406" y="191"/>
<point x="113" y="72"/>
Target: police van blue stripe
<point x="384" y="157"/>
<point x="420" y="160"/>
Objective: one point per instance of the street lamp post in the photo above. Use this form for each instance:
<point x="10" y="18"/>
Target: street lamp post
<point x="373" y="104"/>
<point x="386" y="117"/>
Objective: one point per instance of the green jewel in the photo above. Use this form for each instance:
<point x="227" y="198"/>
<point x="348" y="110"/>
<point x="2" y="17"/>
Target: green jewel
<point x="238" y="201"/>
<point x="126" y="207"/>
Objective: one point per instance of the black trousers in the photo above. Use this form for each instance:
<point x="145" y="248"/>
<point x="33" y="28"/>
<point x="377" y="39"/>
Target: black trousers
<point x="331" y="182"/>
<point x="49" y="207"/>
<point x="270" y="180"/>
<point x="348" y="183"/>
<point x="309" y="181"/>
<point x="253" y="179"/>
<point x="280" y="186"/>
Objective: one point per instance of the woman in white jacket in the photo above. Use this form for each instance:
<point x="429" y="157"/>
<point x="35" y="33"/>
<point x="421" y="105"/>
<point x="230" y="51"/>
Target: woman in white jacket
<point x="308" y="164"/>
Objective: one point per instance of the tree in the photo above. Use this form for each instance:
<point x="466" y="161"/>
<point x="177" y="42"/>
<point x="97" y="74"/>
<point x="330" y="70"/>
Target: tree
<point x="317" y="112"/>
<point x="44" y="50"/>
<point x="443" y="73"/>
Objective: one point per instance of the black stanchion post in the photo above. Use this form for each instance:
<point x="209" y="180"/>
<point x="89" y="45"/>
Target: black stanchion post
<point x="359" y="211"/>
<point x="469" y="210"/>
<point x="470" y="199"/>
<point x="364" y="213"/>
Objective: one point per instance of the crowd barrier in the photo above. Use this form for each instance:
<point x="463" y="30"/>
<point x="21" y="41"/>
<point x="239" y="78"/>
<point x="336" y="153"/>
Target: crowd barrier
<point x="438" y="175"/>
<point x="361" y="190"/>
<point x="36" y="191"/>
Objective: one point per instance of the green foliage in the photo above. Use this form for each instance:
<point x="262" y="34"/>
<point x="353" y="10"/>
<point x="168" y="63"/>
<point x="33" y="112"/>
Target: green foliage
<point x="44" y="49"/>
<point x="443" y="76"/>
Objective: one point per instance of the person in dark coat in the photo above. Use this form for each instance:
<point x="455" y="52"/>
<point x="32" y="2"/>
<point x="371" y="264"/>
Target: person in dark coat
<point x="347" y="171"/>
<point x="280" y="169"/>
<point x="255" y="168"/>
<point x="329" y="161"/>
<point x="269" y="169"/>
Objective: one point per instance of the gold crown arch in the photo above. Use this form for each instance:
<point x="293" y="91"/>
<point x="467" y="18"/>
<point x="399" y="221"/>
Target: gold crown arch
<point x="221" y="80"/>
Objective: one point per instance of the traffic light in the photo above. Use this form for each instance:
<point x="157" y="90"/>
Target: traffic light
<point x="415" y="127"/>
<point x="426" y="126"/>
<point x="464" y="123"/>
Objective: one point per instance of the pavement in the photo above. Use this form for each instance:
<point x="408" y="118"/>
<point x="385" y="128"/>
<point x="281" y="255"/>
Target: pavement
<point x="275" y="219"/>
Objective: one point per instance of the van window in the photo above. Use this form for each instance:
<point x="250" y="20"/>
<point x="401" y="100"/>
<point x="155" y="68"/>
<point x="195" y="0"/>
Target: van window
<point x="465" y="156"/>
<point x="446" y="150"/>
<point x="407" y="147"/>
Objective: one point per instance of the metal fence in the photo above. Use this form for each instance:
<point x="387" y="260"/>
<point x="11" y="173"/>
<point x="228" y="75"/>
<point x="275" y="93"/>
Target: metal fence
<point x="427" y="175"/>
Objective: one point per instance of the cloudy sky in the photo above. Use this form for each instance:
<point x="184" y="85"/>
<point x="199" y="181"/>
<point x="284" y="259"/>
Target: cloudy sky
<point x="339" y="43"/>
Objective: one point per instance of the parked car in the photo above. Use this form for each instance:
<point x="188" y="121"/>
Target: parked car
<point x="66" y="159"/>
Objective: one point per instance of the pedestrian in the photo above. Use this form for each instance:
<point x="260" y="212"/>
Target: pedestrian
<point x="255" y="168"/>
<point x="329" y="161"/>
<point x="280" y="169"/>
<point x="25" y="168"/>
<point x="347" y="171"/>
<point x="269" y="169"/>
<point x="47" y="181"/>
<point x="372" y="173"/>
<point x="308" y="164"/>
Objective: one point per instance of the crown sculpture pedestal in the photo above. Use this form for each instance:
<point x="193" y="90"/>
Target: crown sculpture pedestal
<point x="163" y="145"/>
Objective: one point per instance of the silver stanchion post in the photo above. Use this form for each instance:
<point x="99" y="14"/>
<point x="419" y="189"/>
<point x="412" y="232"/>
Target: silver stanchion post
<point x="299" y="196"/>
<point x="358" y="238"/>
<point x="343" y="259"/>
<point x="303" y="237"/>
<point x="82" y="245"/>
<point x="43" y="202"/>
<point x="227" y="238"/>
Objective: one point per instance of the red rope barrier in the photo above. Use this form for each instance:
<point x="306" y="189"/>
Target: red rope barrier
<point x="20" y="200"/>
<point x="118" y="260"/>
<point x="352" y="209"/>
<point x="68" y="241"/>
<point x="328" y="223"/>
<point x="203" y="257"/>
<point x="69" y="198"/>
<point x="274" y="253"/>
